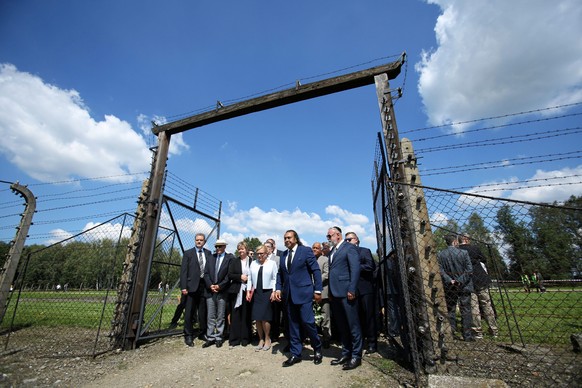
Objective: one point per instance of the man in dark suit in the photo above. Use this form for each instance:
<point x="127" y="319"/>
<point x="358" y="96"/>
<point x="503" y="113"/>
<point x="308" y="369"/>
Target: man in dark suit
<point x="298" y="284"/>
<point x="217" y="284"/>
<point x="344" y="274"/>
<point x="456" y="271"/>
<point x="192" y="286"/>
<point x="366" y="294"/>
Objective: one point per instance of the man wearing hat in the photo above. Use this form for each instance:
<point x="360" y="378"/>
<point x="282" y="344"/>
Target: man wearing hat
<point x="217" y="283"/>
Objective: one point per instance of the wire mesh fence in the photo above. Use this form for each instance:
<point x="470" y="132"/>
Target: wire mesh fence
<point x="509" y="304"/>
<point x="64" y="294"/>
<point x="179" y="224"/>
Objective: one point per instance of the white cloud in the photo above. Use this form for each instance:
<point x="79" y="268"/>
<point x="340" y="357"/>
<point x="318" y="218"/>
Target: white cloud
<point x="48" y="133"/>
<point x="58" y="235"/>
<point x="497" y="56"/>
<point x="177" y="144"/>
<point x="256" y="222"/>
<point x="107" y="231"/>
<point x="439" y="219"/>
<point x="543" y="186"/>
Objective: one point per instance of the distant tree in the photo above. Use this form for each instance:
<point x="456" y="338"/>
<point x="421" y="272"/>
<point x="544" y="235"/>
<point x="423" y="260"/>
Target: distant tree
<point x="252" y="243"/>
<point x="451" y="226"/>
<point x="557" y="237"/>
<point x="519" y="242"/>
<point x="481" y="236"/>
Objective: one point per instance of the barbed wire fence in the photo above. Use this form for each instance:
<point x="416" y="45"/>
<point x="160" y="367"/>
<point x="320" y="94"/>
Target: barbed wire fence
<point x="532" y="254"/>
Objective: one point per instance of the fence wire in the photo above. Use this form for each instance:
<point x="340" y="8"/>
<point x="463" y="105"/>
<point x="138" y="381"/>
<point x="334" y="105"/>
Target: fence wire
<point x="522" y="322"/>
<point x="65" y="293"/>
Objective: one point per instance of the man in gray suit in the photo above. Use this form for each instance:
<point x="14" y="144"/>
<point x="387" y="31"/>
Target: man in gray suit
<point x="456" y="272"/>
<point x="323" y="262"/>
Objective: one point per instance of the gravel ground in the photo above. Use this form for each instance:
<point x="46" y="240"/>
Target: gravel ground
<point x="169" y="363"/>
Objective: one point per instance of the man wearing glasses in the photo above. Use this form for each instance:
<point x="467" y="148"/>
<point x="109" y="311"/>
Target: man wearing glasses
<point x="366" y="294"/>
<point x="344" y="273"/>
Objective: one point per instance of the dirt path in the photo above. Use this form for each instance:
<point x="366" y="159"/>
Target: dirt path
<point x="169" y="363"/>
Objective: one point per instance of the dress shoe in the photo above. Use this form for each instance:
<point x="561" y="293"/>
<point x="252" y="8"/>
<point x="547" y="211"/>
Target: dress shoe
<point x="371" y="349"/>
<point x="244" y="343"/>
<point x="218" y="344"/>
<point x="317" y="357"/>
<point x="201" y="337"/>
<point x="340" y="361"/>
<point x="207" y="344"/>
<point x="188" y="341"/>
<point x="292" y="361"/>
<point x="172" y="326"/>
<point x="352" y="364"/>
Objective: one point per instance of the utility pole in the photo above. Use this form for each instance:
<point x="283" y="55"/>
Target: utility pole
<point x="11" y="265"/>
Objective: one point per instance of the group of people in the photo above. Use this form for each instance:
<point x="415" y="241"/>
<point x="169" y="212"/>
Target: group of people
<point x="536" y="281"/>
<point x="276" y="290"/>
<point x="466" y="283"/>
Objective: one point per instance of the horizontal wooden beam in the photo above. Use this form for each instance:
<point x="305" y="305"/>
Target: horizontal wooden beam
<point x="288" y="96"/>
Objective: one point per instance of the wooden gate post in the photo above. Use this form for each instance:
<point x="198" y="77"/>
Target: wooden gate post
<point x="152" y="215"/>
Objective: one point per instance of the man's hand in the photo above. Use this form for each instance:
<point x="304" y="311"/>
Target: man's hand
<point x="351" y="296"/>
<point x="317" y="297"/>
<point x="184" y="291"/>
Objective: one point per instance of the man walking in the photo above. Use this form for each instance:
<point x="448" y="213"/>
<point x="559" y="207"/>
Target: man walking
<point x="299" y="283"/>
<point x="344" y="273"/>
<point x="367" y="292"/>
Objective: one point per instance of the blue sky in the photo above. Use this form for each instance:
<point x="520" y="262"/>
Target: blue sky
<point x="81" y="81"/>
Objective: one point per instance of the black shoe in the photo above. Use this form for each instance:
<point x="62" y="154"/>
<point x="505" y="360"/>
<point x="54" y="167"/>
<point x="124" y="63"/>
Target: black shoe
<point x="244" y="343"/>
<point x="352" y="364"/>
<point x="207" y="344"/>
<point x="371" y="349"/>
<point x="469" y="339"/>
<point x="292" y="361"/>
<point x="218" y="344"/>
<point x="188" y="341"/>
<point x="340" y="361"/>
<point x="201" y="337"/>
<point x="172" y="326"/>
<point x="317" y="357"/>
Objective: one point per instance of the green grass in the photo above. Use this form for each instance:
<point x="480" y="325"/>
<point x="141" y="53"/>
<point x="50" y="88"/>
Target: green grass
<point x="542" y="318"/>
<point x="73" y="309"/>
<point x="538" y="318"/>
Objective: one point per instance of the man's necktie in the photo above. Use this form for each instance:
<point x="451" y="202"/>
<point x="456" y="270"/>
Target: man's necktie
<point x="289" y="257"/>
<point x="217" y="266"/>
<point x="201" y="262"/>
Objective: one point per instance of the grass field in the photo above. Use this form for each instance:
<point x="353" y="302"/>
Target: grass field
<point x="534" y="318"/>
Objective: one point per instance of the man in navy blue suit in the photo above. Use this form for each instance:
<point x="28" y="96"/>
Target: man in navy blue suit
<point x="366" y="294"/>
<point x="344" y="274"/>
<point x="298" y="284"/>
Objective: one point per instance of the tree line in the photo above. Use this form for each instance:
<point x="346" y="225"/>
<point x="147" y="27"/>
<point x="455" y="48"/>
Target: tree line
<point x="523" y="238"/>
<point x="517" y="239"/>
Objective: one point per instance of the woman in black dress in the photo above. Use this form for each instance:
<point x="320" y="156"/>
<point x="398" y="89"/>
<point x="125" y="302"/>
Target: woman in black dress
<point x="240" y="309"/>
